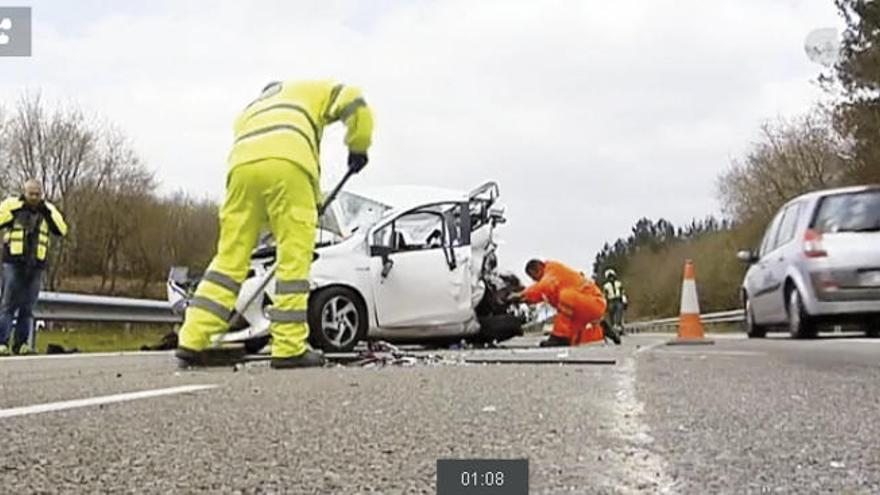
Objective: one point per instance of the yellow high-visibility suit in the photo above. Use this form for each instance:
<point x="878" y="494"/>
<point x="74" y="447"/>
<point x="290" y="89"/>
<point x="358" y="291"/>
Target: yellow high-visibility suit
<point x="274" y="172"/>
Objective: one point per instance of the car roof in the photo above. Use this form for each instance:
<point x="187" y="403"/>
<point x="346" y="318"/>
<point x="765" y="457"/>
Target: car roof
<point x="404" y="197"/>
<point x="838" y="190"/>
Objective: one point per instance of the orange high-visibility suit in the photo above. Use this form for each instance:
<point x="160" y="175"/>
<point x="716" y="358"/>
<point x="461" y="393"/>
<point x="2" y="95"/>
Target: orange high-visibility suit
<point x="578" y="301"/>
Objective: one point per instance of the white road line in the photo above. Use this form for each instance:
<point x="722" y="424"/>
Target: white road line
<point x="642" y="469"/>
<point x="94" y="401"/>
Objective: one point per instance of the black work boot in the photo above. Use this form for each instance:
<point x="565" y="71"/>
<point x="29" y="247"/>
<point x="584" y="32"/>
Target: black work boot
<point x="307" y="359"/>
<point x="220" y="356"/>
<point x="610" y="333"/>
<point x="554" y="341"/>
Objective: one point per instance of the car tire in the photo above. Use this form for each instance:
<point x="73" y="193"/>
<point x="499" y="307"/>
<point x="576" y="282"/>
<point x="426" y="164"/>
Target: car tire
<point x="753" y="330"/>
<point x="800" y="325"/>
<point x="337" y="319"/>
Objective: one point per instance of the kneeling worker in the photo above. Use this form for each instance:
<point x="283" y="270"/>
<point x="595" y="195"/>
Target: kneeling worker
<point x="578" y="301"/>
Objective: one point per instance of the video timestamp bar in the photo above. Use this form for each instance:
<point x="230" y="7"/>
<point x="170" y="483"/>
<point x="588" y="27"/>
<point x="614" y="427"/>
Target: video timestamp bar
<point x="482" y="476"/>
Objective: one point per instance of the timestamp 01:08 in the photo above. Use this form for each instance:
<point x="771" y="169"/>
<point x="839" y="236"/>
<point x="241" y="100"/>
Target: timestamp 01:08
<point x="476" y="478"/>
<point x="482" y="476"/>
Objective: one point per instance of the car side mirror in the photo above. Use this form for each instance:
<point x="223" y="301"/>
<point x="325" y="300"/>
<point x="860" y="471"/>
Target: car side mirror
<point x="747" y="256"/>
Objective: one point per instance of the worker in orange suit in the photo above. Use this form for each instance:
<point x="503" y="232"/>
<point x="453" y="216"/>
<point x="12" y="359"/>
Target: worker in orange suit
<point x="579" y="302"/>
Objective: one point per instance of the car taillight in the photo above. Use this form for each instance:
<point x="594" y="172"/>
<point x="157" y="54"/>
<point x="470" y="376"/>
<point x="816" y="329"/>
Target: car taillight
<point x="813" y="244"/>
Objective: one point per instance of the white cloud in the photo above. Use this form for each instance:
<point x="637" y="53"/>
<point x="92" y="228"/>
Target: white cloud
<point x="590" y="114"/>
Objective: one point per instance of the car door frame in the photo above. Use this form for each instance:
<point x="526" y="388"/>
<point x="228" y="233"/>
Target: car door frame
<point x="457" y="258"/>
<point x="779" y="260"/>
<point x="757" y="277"/>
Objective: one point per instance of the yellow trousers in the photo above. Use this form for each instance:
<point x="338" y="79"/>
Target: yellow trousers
<point x="280" y="193"/>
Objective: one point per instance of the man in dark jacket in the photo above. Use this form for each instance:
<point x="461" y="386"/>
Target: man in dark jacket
<point x="26" y="222"/>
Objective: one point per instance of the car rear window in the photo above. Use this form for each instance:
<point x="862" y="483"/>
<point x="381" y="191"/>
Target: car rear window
<point x="851" y="212"/>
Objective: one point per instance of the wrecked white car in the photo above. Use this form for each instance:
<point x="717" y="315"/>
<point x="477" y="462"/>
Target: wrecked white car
<point x="403" y="264"/>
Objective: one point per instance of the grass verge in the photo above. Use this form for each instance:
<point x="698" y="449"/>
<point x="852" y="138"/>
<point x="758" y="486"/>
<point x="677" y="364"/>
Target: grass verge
<point x="101" y="339"/>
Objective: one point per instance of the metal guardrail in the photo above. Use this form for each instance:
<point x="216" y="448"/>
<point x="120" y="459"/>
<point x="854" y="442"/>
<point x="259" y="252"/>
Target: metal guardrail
<point x="732" y="316"/>
<point x="63" y="306"/>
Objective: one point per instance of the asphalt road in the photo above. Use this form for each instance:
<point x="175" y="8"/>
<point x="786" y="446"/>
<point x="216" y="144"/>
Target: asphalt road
<point x="760" y="416"/>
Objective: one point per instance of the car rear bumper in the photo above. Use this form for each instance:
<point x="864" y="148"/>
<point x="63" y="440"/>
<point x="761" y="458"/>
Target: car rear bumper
<point x="839" y="292"/>
<point x="847" y="294"/>
<point x="842" y="308"/>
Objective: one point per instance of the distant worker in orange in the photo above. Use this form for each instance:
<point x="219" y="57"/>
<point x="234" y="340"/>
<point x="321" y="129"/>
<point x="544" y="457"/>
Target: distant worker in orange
<point x="579" y="302"/>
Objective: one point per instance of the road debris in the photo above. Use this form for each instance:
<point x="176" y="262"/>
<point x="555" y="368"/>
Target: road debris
<point x="167" y="343"/>
<point x="469" y="345"/>
<point x="377" y="355"/>
<point x="381" y="354"/>
<point x="59" y="349"/>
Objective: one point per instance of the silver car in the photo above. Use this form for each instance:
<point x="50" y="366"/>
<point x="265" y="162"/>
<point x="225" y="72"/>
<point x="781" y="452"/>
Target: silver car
<point x="818" y="264"/>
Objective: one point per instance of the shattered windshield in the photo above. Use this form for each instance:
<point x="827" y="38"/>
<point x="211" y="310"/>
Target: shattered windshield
<point x="358" y="211"/>
<point x="346" y="215"/>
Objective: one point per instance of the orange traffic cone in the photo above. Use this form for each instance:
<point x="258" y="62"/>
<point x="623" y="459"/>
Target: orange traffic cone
<point x="690" y="327"/>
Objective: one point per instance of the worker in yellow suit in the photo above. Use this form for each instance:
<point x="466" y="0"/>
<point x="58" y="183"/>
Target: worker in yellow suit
<point x="273" y="179"/>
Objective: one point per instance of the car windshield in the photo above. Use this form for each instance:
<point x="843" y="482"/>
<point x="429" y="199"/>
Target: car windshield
<point x="360" y="212"/>
<point x="352" y="213"/>
<point x="852" y="212"/>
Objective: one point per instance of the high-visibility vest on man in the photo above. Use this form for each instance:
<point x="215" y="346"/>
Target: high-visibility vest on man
<point x="274" y="172"/>
<point x="614" y="291"/>
<point x="616" y="297"/>
<point x="26" y="230"/>
<point x="27" y="222"/>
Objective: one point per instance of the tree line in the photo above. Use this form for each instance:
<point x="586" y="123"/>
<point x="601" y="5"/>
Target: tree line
<point x="835" y="143"/>
<point x="124" y="235"/>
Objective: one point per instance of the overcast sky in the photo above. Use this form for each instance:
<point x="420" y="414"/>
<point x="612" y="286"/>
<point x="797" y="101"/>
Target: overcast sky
<point x="589" y="114"/>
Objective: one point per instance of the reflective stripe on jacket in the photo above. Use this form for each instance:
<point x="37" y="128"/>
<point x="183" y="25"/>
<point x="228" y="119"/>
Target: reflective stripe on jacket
<point x="288" y="118"/>
<point x="613" y="290"/>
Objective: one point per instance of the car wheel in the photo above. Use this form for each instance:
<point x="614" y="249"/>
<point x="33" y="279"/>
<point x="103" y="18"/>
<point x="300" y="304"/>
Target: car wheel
<point x="337" y="319"/>
<point x="753" y="330"/>
<point x="799" y="324"/>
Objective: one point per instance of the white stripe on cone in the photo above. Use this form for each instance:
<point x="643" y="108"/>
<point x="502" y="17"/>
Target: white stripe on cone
<point x="689" y="303"/>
